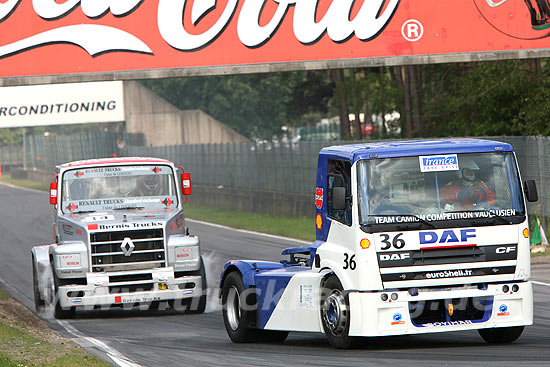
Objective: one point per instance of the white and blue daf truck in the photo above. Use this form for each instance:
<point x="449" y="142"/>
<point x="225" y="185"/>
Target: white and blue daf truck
<point x="411" y="237"/>
<point x="120" y="239"/>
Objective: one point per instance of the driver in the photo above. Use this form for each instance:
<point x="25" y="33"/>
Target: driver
<point x="147" y="185"/>
<point x="467" y="191"/>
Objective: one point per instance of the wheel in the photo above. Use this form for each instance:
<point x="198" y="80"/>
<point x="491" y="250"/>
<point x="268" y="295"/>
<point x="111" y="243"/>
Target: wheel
<point x="237" y="313"/>
<point x="335" y="314"/>
<point x="201" y="302"/>
<point x="61" y="312"/>
<point x="39" y="303"/>
<point x="501" y="335"/>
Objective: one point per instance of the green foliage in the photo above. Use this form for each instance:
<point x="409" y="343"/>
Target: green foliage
<point x="255" y="105"/>
<point x="489" y="98"/>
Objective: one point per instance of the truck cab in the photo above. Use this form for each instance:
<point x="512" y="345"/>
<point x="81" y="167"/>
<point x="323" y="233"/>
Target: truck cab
<point x="120" y="239"/>
<point x="411" y="237"/>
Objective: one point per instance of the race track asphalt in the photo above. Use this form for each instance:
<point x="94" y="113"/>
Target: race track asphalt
<point x="177" y="339"/>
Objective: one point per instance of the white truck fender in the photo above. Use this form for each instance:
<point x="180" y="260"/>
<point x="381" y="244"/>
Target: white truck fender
<point x="44" y="272"/>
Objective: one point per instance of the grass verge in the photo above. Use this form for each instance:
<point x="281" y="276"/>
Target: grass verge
<point x="26" y="340"/>
<point x="26" y="183"/>
<point x="300" y="228"/>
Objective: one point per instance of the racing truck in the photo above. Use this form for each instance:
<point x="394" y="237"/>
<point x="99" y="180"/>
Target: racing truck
<point x="120" y="239"/>
<point x="412" y="237"/>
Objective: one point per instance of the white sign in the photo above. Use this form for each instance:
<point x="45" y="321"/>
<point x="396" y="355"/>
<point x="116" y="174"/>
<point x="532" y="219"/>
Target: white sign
<point x="60" y="104"/>
<point x="433" y="163"/>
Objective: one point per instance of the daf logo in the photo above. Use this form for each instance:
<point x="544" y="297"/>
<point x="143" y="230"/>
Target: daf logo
<point x="394" y="256"/>
<point x="127" y="246"/>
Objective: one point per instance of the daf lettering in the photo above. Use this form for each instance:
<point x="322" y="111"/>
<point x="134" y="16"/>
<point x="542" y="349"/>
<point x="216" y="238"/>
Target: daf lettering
<point x="391" y="257"/>
<point x="447" y="236"/>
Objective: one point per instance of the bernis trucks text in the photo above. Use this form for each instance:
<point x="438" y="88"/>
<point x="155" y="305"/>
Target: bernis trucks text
<point x="119" y="239"/>
<point x="412" y="237"/>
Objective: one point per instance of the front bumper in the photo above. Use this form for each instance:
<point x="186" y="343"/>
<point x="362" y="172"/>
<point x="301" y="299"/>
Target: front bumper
<point x="370" y="316"/>
<point x="139" y="287"/>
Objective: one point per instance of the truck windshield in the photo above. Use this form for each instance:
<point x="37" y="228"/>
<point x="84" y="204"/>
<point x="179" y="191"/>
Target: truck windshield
<point x="118" y="187"/>
<point x="439" y="188"/>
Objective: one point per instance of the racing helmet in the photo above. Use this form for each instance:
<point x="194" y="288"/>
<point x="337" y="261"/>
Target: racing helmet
<point x="151" y="184"/>
<point x="467" y="169"/>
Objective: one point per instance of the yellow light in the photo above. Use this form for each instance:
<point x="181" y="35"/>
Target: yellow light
<point x="450" y="309"/>
<point x="319" y="221"/>
<point x="364" y="243"/>
<point x="526" y="233"/>
<point x="163" y="286"/>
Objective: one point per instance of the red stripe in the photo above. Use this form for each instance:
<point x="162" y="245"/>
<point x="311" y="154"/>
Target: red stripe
<point x="451" y="246"/>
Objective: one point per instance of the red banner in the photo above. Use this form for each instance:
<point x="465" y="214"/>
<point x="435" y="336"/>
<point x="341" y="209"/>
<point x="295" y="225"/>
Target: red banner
<point x="150" y="38"/>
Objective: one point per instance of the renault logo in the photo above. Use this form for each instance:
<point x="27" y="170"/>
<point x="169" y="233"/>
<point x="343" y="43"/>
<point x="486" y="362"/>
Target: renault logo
<point x="127" y="246"/>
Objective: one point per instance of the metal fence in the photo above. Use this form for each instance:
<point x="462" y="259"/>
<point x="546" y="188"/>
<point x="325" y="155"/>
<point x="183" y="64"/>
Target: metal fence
<point x="279" y="167"/>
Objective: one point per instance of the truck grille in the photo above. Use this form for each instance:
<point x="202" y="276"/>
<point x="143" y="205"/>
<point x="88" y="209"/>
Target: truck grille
<point x="465" y="310"/>
<point x="107" y="253"/>
<point x="430" y="264"/>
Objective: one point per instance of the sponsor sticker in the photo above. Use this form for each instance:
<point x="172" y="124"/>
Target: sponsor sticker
<point x="98" y="217"/>
<point x="503" y="310"/>
<point x="438" y="163"/>
<point x="187" y="294"/>
<point x="319" y="197"/>
<point x="449" y="274"/>
<point x="182" y="253"/>
<point x="448" y="323"/>
<point x="306" y="296"/>
<point x="398" y="319"/>
<point x="70" y="261"/>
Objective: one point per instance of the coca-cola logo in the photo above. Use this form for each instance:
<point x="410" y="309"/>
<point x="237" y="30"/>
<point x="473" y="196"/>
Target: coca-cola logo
<point x="341" y="20"/>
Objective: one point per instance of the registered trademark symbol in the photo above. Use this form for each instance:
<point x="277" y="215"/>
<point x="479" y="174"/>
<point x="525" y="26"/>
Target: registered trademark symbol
<point x="412" y="30"/>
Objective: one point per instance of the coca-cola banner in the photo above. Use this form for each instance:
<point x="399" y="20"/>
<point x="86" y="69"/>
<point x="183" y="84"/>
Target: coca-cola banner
<point x="75" y="40"/>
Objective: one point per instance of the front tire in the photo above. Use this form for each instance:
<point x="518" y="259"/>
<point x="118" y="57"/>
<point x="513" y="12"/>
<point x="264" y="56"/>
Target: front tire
<point x="39" y="303"/>
<point x="335" y="314"/>
<point x="501" y="335"/>
<point x="61" y="312"/>
<point x="237" y="314"/>
<point x="201" y="302"/>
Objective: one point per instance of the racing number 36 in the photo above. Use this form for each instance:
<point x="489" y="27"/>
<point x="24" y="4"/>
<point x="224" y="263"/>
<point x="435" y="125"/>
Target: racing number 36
<point x="396" y="242"/>
<point x="349" y="262"/>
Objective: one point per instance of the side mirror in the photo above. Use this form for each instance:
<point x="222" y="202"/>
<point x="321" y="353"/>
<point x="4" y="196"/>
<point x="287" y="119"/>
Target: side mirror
<point x="53" y="193"/>
<point x="530" y="189"/>
<point x="338" y="198"/>
<point x="186" y="186"/>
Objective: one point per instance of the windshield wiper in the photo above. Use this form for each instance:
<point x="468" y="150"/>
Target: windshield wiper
<point x="424" y="221"/>
<point x="82" y="212"/>
<point x="493" y="215"/>
<point x="129" y="207"/>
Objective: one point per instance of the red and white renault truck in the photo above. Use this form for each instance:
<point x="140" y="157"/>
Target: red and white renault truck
<point x="412" y="237"/>
<point x="119" y="239"/>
